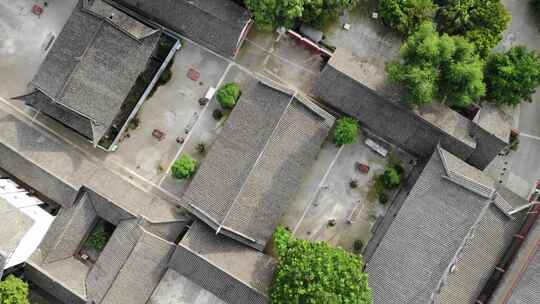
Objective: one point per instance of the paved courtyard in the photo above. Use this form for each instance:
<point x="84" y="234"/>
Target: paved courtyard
<point x="279" y="56"/>
<point x="521" y="169"/>
<point x="25" y="39"/>
<point x="205" y="131"/>
<point x="330" y="197"/>
<point x="174" y="109"/>
<point x="368" y="38"/>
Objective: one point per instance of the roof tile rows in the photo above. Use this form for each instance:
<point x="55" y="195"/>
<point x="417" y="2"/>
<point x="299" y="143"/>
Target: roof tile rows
<point x="255" y="166"/>
<point x="445" y="240"/>
<point x="92" y="67"/>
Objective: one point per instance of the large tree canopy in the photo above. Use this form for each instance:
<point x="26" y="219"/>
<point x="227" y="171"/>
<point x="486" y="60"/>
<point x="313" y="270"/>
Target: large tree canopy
<point x="316" y="273"/>
<point x="438" y="67"/>
<point x="513" y="76"/>
<point x="320" y="12"/>
<point x="405" y="16"/>
<point x="270" y="14"/>
<point x="13" y="291"/>
<point x="482" y="22"/>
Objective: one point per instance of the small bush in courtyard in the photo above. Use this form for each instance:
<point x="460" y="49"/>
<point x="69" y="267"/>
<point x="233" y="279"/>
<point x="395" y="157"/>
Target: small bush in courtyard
<point x="346" y="131"/>
<point x="228" y="95"/>
<point x="390" y="178"/>
<point x="184" y="167"/>
<point x="217" y="114"/>
<point x="98" y="238"/>
<point x="383" y="198"/>
<point x="358" y="245"/>
<point x="405" y="16"/>
<point x="201" y="147"/>
<point x="13" y="291"/>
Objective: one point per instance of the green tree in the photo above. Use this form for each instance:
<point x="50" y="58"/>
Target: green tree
<point x="345" y="131"/>
<point x="390" y="178"/>
<point x="482" y="22"/>
<point x="320" y="12"/>
<point x="316" y="273"/>
<point x="270" y="14"/>
<point x="184" y="167"/>
<point x="13" y="291"/>
<point x="438" y="67"/>
<point x="228" y="95"/>
<point x="405" y="16"/>
<point x="513" y="76"/>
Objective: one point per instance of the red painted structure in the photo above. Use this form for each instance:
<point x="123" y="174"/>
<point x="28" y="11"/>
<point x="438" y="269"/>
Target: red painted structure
<point x="308" y="44"/>
<point x="508" y="257"/>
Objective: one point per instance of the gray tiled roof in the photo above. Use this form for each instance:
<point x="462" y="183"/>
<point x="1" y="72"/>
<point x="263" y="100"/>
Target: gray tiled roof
<point x="521" y="282"/>
<point x="478" y="257"/>
<point x="41" y="102"/>
<point x="15" y="225"/>
<point x="232" y="271"/>
<point x="141" y="272"/>
<point x="266" y="147"/>
<point x="58" y="171"/>
<point x="93" y="65"/>
<point x="444" y="241"/>
<point x="217" y="24"/>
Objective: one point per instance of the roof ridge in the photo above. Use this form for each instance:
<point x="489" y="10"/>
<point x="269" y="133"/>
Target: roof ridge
<point x="259" y="157"/>
<point x="470" y="184"/>
<point x="455" y="258"/>
<point x="86" y="7"/>
<point x="194" y="4"/>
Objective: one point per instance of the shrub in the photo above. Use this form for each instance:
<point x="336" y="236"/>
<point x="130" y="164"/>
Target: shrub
<point x="316" y="273"/>
<point x="482" y="22"/>
<point x="379" y="185"/>
<point x="201" y="147"/>
<point x="513" y="76"/>
<point x="514" y="144"/>
<point x="435" y="67"/>
<point x="228" y="95"/>
<point x="217" y="114"/>
<point x="165" y="77"/>
<point x="98" y="238"/>
<point x="405" y="16"/>
<point x="184" y="167"/>
<point x="390" y="178"/>
<point x="383" y="198"/>
<point x="13" y="291"/>
<point x="358" y="245"/>
<point x="346" y="131"/>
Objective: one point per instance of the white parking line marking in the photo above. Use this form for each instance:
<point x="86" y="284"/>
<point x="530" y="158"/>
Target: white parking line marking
<point x="192" y="129"/>
<point x="530" y="136"/>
